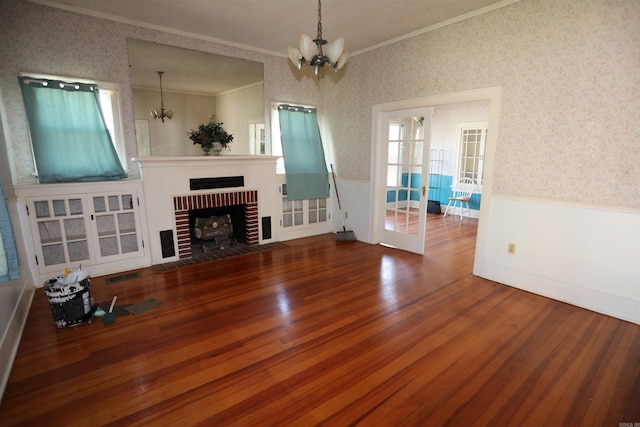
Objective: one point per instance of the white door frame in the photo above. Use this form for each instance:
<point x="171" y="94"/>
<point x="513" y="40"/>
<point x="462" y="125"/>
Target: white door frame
<point x="378" y="142"/>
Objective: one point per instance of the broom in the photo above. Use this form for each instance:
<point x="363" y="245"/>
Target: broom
<point x="343" y="235"/>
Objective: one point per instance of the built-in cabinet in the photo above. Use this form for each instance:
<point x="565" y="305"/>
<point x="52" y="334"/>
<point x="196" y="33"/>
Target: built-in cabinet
<point x="302" y="218"/>
<point x="98" y="230"/>
<point x="90" y="229"/>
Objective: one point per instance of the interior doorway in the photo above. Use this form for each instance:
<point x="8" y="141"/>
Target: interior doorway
<point x="380" y="140"/>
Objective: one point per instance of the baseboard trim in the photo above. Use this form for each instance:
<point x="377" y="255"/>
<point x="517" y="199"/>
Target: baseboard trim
<point x="600" y="302"/>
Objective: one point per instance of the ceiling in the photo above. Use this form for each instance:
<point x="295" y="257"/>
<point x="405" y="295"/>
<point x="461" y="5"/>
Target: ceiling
<point x="270" y="26"/>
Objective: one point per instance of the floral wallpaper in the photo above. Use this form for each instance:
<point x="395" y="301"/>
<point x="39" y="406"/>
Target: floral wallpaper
<point x="570" y="116"/>
<point x="570" y="73"/>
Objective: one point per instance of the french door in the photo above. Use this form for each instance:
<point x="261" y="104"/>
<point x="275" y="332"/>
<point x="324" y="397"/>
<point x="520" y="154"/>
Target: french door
<point x="406" y="160"/>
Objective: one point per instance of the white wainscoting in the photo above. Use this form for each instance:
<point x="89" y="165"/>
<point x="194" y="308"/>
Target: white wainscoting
<point x="585" y="255"/>
<point x="15" y="301"/>
<point x="354" y="197"/>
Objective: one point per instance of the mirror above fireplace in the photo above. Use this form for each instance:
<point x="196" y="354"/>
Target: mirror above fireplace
<point x="195" y="85"/>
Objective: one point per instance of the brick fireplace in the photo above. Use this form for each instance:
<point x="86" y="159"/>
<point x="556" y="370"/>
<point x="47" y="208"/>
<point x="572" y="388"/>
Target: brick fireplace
<point x="169" y="195"/>
<point x="183" y="204"/>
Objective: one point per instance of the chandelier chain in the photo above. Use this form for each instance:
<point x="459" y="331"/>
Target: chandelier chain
<point x="160" y="73"/>
<point x="319" y="20"/>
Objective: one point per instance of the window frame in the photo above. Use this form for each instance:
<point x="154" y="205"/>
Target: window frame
<point x="109" y="88"/>
<point x="275" y="148"/>
<point x="461" y="149"/>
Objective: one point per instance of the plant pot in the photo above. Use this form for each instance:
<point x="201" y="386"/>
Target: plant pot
<point x="217" y="148"/>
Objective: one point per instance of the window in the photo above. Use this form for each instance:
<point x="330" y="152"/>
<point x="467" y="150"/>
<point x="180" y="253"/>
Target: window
<point x="110" y="105"/>
<point x="257" y="143"/>
<point x="296" y="214"/>
<point x="472" y="139"/>
<point x="304" y="160"/>
<point x="75" y="127"/>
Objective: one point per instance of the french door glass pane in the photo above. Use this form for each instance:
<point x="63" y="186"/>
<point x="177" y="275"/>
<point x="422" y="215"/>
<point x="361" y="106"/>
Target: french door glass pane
<point x="404" y="174"/>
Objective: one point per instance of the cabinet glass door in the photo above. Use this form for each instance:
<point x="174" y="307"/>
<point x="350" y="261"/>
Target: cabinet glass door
<point x="60" y="231"/>
<point x="116" y="221"/>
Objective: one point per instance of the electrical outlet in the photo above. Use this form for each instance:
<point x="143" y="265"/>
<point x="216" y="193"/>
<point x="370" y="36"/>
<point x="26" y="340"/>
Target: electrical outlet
<point x="346" y="214"/>
<point x="511" y="248"/>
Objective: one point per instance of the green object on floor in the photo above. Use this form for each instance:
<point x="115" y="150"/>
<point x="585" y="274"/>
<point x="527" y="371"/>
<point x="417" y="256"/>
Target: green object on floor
<point x="110" y="316"/>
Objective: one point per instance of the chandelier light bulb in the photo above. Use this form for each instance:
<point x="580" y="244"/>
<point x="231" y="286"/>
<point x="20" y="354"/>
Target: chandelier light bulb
<point x="307" y="47"/>
<point x="334" y="50"/>
<point x="296" y="57"/>
<point x="312" y="52"/>
<point x="341" y="61"/>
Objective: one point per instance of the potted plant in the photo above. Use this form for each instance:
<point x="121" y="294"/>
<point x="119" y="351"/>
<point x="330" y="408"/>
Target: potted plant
<point x="211" y="136"/>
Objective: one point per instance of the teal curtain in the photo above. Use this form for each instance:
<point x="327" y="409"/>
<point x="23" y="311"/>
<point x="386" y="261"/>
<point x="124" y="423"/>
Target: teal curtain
<point x="9" y="268"/>
<point x="304" y="162"/>
<point x="70" y="140"/>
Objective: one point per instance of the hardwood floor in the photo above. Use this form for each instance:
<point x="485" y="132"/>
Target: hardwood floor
<point x="329" y="333"/>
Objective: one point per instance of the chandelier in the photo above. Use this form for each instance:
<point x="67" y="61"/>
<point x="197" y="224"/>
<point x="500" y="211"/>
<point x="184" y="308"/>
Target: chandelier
<point x="312" y="51"/>
<point x="161" y="113"/>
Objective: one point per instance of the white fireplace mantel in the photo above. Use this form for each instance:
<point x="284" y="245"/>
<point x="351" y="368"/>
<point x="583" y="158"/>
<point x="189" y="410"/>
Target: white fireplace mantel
<point x="182" y="161"/>
<point x="167" y="177"/>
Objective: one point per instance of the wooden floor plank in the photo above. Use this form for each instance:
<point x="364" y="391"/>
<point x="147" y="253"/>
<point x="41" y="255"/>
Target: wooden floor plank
<point x="323" y="332"/>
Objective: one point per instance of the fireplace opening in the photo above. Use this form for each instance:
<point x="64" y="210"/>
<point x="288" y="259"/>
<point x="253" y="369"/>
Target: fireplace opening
<point x="241" y="206"/>
<point x="217" y="227"/>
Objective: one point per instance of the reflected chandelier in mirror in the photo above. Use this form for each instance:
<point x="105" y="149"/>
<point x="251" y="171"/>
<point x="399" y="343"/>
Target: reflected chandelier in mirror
<point x="196" y="85"/>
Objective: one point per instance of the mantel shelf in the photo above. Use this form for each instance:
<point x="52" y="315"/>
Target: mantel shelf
<point x="183" y="161"/>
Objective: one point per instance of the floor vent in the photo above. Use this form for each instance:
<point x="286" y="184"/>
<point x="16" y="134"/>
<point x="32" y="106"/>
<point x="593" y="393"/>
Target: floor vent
<point x="123" y="277"/>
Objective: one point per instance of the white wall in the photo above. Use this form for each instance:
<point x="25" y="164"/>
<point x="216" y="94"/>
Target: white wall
<point x="585" y="255"/>
<point x="237" y="109"/>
